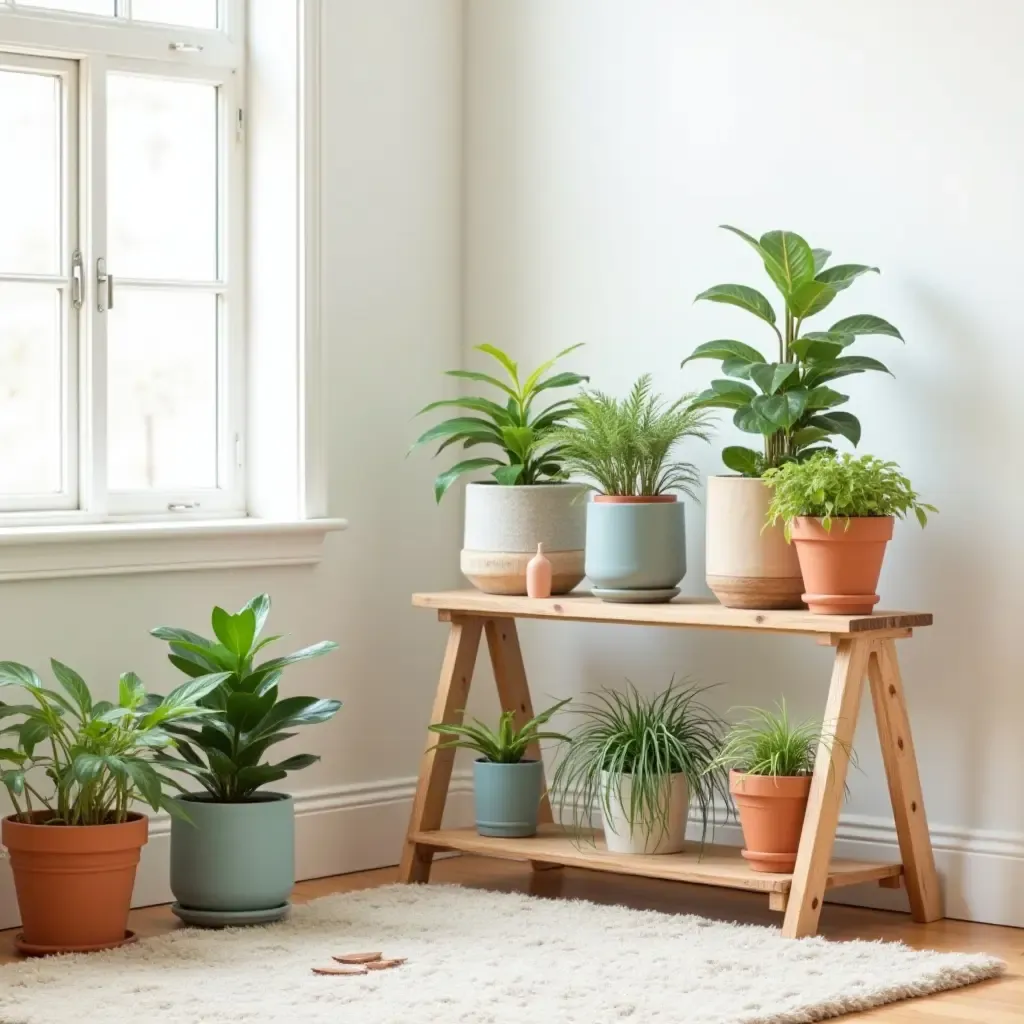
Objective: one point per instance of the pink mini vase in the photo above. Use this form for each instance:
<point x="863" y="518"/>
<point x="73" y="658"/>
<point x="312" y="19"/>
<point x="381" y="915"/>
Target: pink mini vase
<point x="538" y="575"/>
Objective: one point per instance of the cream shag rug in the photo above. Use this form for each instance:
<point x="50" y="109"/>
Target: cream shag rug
<point x="477" y="957"/>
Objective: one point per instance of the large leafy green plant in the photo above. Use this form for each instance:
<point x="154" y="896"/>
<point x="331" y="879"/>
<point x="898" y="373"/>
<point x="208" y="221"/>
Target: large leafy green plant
<point x="97" y="757"/>
<point x="625" y="447"/>
<point x="245" y="713"/>
<point x="521" y="434"/>
<point x="504" y="745"/>
<point x="787" y="400"/>
<point x="647" y="739"/>
<point x="828" y="486"/>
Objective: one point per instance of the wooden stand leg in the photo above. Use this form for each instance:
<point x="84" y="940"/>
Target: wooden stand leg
<point x="827" y="788"/>
<point x="436" y="765"/>
<point x="922" y="880"/>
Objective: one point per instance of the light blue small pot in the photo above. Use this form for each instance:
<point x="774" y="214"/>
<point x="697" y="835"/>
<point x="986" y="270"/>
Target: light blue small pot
<point x="507" y="797"/>
<point x="639" y="546"/>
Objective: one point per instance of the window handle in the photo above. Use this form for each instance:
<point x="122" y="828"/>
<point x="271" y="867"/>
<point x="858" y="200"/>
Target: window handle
<point x="76" y="279"/>
<point x="104" y="281"/>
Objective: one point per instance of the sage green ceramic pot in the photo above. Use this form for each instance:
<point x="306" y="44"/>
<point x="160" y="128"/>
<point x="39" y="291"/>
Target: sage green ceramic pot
<point x="234" y="863"/>
<point x="507" y="797"/>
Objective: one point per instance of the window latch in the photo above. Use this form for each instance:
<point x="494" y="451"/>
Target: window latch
<point x="104" y="283"/>
<point x="76" y="279"/>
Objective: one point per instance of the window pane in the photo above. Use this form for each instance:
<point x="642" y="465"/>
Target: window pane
<point x="30" y="385"/>
<point x="162" y="395"/>
<point x="162" y="149"/>
<point x="30" y="193"/>
<point x="75" y="6"/>
<point x="194" y="13"/>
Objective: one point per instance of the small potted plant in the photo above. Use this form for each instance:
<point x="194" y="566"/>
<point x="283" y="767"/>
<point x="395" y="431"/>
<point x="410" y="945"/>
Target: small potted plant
<point x="233" y="859"/>
<point x="529" y="500"/>
<point x="643" y="761"/>
<point x="636" y="524"/>
<point x="787" y="400"/>
<point x="839" y="513"/>
<point x="507" y="785"/>
<point x="74" y="839"/>
<point x="770" y="762"/>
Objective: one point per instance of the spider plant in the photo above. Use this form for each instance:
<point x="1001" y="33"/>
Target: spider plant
<point x="647" y="739"/>
<point x="504" y="745"/>
<point x="624" y="447"/>
<point x="768" y="743"/>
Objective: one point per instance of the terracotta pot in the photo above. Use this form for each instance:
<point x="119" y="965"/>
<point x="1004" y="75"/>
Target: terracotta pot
<point x="74" y="883"/>
<point x="771" y="809"/>
<point x="841" y="566"/>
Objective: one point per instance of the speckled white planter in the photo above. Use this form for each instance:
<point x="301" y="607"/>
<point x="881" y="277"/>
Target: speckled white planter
<point x="504" y="525"/>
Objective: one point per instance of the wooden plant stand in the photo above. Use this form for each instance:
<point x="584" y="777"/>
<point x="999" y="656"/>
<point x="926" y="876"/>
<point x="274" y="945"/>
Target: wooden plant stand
<point x="864" y="645"/>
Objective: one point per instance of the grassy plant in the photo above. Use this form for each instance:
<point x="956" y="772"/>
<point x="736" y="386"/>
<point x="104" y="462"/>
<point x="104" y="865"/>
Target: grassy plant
<point x="625" y="447"/>
<point x="827" y="487"/>
<point x="504" y="745"/>
<point x="646" y="739"/>
<point x="767" y="743"/>
<point x="521" y="434"/>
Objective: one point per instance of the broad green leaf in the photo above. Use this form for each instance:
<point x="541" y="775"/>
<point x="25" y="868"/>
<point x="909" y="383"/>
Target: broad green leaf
<point x="725" y="349"/>
<point x="449" y="476"/>
<point x="531" y="381"/>
<point x="821" y="257"/>
<point x="246" y="710"/>
<point x="190" y="693"/>
<point x="559" y="380"/>
<point x="481" y="378"/>
<point x="456" y="426"/>
<point x="791" y="261"/>
<point x="252" y="778"/>
<point x="769" y="377"/>
<point x="823" y="397"/>
<point x="711" y="399"/>
<point x="294" y="763"/>
<point x="843" y="367"/>
<point x="838" y="422"/>
<point x="86" y="767"/>
<point x="200" y="656"/>
<point x="740" y="295"/>
<point x="808" y="349"/>
<point x="482" y="405"/>
<point x="110" y="716"/>
<point x="843" y="275"/>
<point x="750" y="421"/>
<point x="184" y="636"/>
<point x="130" y="691"/>
<point x="808" y="435"/>
<point x="494" y="352"/>
<point x="739" y="367"/>
<point x="295" y="711"/>
<point x="8" y="710"/>
<point x="9" y="754"/>
<point x="518" y="440"/>
<point x="73" y="684"/>
<point x="508" y="475"/>
<point x="866" y="323"/>
<point x="190" y="668"/>
<point x="741" y="460"/>
<point x="235" y="632"/>
<point x="313" y="651"/>
<point x="14" y="674"/>
<point x="260" y="606"/>
<point x="31" y="733"/>
<point x="732" y="387"/>
<point x="146" y="780"/>
<point x="810" y="298"/>
<point x="14" y="781"/>
<point x="783" y="410"/>
<point x="268" y="682"/>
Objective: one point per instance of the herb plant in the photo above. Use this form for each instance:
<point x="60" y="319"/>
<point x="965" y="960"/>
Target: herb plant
<point x="787" y="400"/>
<point x="646" y="739"/>
<point x="244" y="715"/>
<point x="625" y="447"/>
<point x="521" y="434"/>
<point x="767" y="743"/>
<point x="99" y="756"/>
<point x="828" y="486"/>
<point x="504" y="745"/>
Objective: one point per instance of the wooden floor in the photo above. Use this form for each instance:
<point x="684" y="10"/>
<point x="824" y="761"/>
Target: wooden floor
<point x="994" y="1002"/>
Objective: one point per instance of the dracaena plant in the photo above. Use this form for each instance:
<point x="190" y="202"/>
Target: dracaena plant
<point x="787" y="399"/>
<point x="520" y="433"/>
<point x="245" y="714"/>
<point x="504" y="745"/>
<point x="78" y="761"/>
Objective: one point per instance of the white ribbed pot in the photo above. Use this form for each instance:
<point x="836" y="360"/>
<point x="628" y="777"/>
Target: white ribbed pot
<point x="747" y="565"/>
<point x="504" y="525"/>
<point x="624" y="836"/>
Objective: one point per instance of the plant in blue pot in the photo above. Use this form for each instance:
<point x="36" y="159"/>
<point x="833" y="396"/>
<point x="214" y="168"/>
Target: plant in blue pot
<point x="507" y="783"/>
<point x="233" y="858"/>
<point x="636" y="524"/>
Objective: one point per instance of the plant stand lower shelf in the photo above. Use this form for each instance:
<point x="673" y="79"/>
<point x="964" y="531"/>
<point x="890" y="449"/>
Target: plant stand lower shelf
<point x="864" y="647"/>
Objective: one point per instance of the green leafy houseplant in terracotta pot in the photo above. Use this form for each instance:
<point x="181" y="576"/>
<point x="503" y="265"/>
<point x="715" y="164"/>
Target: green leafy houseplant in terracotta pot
<point x="507" y="785"/>
<point x="74" y="771"/>
<point x="642" y="760"/>
<point x="839" y="513"/>
<point x="529" y="500"/>
<point x="626" y="451"/>
<point x="233" y="860"/>
<point x="787" y="399"/>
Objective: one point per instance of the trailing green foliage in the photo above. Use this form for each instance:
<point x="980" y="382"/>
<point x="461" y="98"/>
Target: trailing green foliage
<point x="504" y="745"/>
<point x="245" y="715"/>
<point x="624" y="447"/>
<point x="788" y="401"/>
<point x="767" y="743"/>
<point x="646" y="739"/>
<point x="509" y="424"/>
<point x="99" y="756"/>
<point x="828" y="486"/>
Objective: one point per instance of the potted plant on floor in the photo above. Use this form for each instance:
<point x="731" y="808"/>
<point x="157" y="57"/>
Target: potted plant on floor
<point x="74" y="771"/>
<point x="786" y="400"/>
<point x="636" y="524"/>
<point x="233" y="860"/>
<point x="507" y="785"/>
<point x="643" y="761"/>
<point x="529" y="501"/>
<point x="770" y="762"/>
<point x="839" y="513"/>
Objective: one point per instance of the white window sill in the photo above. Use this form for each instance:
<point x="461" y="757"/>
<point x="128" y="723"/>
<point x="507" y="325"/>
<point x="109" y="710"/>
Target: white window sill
<point x="115" y="549"/>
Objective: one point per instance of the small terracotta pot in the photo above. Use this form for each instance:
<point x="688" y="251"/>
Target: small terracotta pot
<point x="771" y="809"/>
<point x="74" y="882"/>
<point x="841" y="566"/>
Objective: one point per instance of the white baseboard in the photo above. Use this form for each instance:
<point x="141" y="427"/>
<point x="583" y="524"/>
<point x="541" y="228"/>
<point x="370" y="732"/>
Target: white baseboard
<point x="337" y="830"/>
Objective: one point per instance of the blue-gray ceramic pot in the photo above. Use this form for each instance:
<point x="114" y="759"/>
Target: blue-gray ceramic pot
<point x="507" y="797"/>
<point x="635" y="545"/>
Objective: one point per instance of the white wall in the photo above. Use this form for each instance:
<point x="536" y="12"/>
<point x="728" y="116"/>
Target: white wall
<point x="390" y="316"/>
<point x="605" y="141"/>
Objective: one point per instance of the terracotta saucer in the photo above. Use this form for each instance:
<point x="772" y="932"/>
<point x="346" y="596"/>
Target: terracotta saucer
<point x="31" y="949"/>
